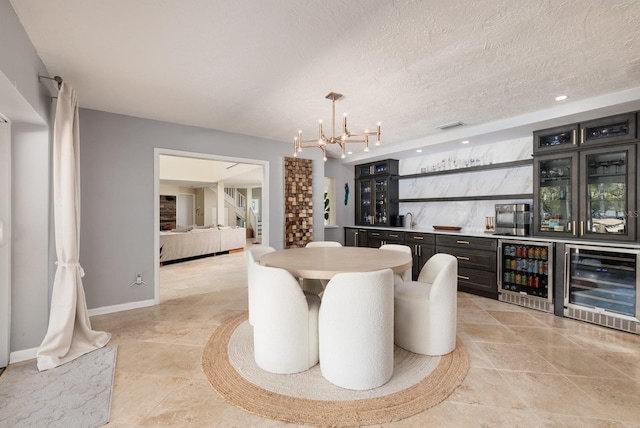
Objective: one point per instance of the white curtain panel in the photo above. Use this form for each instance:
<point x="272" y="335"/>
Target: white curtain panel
<point x="69" y="334"/>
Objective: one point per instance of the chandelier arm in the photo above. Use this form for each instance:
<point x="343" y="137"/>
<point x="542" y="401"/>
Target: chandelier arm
<point x="362" y="134"/>
<point x="307" y="144"/>
<point x="360" y="140"/>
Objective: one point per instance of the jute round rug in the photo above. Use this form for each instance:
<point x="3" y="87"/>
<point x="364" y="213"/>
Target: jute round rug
<point x="418" y="383"/>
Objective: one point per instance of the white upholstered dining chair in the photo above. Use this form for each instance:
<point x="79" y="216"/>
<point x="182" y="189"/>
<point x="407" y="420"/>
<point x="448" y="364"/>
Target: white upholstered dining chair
<point x="425" y="310"/>
<point x="323" y="244"/>
<point x="285" y="329"/>
<point x="317" y="286"/>
<point x="253" y="256"/>
<point x="356" y="330"/>
<point x="406" y="275"/>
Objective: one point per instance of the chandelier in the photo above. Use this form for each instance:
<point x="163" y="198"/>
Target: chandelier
<point x="346" y="138"/>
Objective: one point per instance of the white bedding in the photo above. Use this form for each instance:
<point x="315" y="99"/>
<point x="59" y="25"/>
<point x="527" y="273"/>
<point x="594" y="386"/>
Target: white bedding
<point x="198" y="242"/>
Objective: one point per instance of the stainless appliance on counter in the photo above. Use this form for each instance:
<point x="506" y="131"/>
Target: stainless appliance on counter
<point x="601" y="286"/>
<point x="513" y="219"/>
<point x="525" y="273"/>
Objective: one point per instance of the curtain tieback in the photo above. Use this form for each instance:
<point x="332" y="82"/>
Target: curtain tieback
<point x="72" y="265"/>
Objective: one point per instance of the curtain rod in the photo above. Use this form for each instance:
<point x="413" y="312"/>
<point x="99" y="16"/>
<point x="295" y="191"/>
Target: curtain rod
<point x="58" y="79"/>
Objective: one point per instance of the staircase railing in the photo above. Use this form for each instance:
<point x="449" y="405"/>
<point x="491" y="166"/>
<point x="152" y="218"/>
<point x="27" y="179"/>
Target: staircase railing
<point x="239" y="199"/>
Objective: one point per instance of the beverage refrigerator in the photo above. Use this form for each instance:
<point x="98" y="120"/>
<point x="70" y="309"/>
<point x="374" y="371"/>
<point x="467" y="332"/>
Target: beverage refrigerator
<point x="525" y="273"/>
<point x="601" y="286"/>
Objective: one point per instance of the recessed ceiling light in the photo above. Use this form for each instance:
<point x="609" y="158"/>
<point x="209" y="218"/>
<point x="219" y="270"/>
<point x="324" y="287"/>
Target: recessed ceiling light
<point x="419" y="151"/>
<point x="561" y="97"/>
<point x="465" y="142"/>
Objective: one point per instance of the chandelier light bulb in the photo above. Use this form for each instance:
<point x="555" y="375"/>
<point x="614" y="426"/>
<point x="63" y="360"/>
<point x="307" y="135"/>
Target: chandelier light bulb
<point x="366" y="149"/>
<point x="342" y="156"/>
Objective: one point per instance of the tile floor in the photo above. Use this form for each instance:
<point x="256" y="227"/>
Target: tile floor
<point x="528" y="368"/>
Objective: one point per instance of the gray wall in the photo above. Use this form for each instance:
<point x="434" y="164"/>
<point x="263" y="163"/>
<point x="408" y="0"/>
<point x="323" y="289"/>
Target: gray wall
<point x="117" y="176"/>
<point x="27" y="103"/>
<point x="345" y="214"/>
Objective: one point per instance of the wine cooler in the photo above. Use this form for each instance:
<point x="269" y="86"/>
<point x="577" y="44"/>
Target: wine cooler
<point x="525" y="273"/>
<point x="601" y="286"/>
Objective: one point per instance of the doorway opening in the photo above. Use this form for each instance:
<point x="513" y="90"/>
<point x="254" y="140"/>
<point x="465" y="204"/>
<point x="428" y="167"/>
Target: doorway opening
<point x="223" y="190"/>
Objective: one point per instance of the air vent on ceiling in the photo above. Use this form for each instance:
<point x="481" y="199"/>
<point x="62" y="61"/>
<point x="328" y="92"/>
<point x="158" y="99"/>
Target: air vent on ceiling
<point x="450" y="125"/>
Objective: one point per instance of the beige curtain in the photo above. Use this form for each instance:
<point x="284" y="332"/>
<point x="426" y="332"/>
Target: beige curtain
<point x="69" y="334"/>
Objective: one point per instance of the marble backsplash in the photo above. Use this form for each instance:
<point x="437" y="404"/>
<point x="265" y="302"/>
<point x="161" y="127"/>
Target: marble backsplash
<point x="470" y="215"/>
<point x="504" y="151"/>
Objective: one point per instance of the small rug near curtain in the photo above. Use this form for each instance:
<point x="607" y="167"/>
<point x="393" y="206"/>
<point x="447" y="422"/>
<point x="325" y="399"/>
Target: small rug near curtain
<point x="76" y="394"/>
<point x="419" y="382"/>
<point x="69" y="334"/>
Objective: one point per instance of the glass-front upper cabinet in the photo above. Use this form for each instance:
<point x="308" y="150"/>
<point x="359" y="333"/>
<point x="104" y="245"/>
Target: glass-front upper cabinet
<point x="613" y="129"/>
<point x="376" y="201"/>
<point x="555" y="195"/>
<point x="553" y="139"/>
<point x="385" y="167"/>
<point x="608" y="201"/>
<point x="376" y="193"/>
<point x="365" y="204"/>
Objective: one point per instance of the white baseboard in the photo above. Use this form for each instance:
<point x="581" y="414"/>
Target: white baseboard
<point x="119" y="308"/>
<point x="29" y="354"/>
<point x="24" y="355"/>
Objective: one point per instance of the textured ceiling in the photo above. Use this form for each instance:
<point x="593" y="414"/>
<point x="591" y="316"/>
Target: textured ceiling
<point x="263" y="68"/>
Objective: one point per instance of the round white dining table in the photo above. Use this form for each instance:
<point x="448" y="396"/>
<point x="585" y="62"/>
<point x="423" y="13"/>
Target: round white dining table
<point x="325" y="262"/>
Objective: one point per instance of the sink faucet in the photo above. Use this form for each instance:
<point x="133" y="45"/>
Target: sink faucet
<point x="411" y="222"/>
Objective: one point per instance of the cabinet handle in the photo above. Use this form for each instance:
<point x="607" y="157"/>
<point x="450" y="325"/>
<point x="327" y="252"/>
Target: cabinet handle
<point x="463" y="242"/>
<point x="573" y="227"/>
<point x="420" y="250"/>
<point x="418" y="238"/>
<point x="462" y="258"/>
<point x="357" y="239"/>
<point x="375" y="234"/>
<point x="581" y="228"/>
<point x="566" y="277"/>
<point x="393" y="236"/>
<point x="581" y="135"/>
<point x="574" y="136"/>
<point x="466" y="278"/>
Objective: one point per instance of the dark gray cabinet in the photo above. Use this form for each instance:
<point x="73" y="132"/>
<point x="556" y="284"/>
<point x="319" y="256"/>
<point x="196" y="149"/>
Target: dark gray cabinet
<point x="476" y="262"/>
<point x="422" y="248"/>
<point x="377" y="238"/>
<point x="588" y="189"/>
<point x="376" y="193"/>
<point x="422" y="245"/>
<point x="554" y="139"/>
<point x="354" y="237"/>
<point x="609" y="130"/>
<point x="621" y="128"/>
